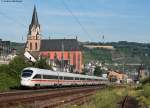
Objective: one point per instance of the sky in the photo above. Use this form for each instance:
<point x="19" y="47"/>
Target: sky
<point x="89" y="20"/>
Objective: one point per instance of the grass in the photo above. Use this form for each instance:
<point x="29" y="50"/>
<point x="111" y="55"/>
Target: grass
<point x="144" y="96"/>
<point x="106" y="98"/>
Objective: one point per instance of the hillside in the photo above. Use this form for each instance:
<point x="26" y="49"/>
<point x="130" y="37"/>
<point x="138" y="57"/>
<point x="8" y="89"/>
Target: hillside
<point x="125" y="52"/>
<point x="18" y="46"/>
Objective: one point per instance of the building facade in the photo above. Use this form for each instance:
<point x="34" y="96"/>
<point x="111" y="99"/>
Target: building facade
<point x="66" y="51"/>
<point x="5" y="48"/>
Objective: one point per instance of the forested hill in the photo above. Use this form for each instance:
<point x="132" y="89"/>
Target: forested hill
<point x="125" y="52"/>
<point x="18" y="46"/>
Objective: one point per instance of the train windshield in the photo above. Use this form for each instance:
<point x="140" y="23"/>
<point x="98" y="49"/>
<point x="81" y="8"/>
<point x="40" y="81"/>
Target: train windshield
<point x="27" y="73"/>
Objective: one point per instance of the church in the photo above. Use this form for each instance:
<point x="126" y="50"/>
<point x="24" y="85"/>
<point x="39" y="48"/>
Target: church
<point x="66" y="51"/>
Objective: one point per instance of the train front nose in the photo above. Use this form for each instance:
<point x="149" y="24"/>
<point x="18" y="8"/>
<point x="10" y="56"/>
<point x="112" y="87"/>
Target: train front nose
<point x="25" y="82"/>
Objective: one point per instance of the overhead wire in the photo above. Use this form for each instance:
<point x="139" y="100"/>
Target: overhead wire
<point x="76" y="19"/>
<point x="14" y="21"/>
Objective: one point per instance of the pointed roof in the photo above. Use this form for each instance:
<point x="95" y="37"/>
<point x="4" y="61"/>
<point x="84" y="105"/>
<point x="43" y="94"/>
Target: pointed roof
<point x="34" y="21"/>
<point x="34" y="17"/>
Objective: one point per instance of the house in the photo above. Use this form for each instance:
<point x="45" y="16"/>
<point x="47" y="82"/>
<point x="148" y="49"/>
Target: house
<point x="143" y="72"/>
<point x="5" y="48"/>
<point x="66" y="52"/>
<point x="115" y="76"/>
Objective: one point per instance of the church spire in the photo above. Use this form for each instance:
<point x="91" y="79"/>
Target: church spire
<point x="34" y="17"/>
<point x="34" y="21"/>
<point x="33" y="37"/>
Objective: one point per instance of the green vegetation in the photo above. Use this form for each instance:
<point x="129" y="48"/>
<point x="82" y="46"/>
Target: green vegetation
<point x="144" y="93"/>
<point x="18" y="46"/>
<point x="146" y="80"/>
<point x="110" y="97"/>
<point x="98" y="71"/>
<point x="41" y="63"/>
<point x="125" y="52"/>
<point x="96" y="54"/>
<point x="106" y="98"/>
<point x="10" y="74"/>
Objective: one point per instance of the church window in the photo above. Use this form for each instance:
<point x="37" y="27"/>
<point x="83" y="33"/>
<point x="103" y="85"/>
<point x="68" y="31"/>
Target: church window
<point x="74" y="59"/>
<point x="30" y="46"/>
<point x="36" y="46"/>
<point x="78" y="61"/>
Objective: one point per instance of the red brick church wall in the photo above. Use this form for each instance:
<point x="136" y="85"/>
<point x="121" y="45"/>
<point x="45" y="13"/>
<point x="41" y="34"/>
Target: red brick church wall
<point x="75" y="57"/>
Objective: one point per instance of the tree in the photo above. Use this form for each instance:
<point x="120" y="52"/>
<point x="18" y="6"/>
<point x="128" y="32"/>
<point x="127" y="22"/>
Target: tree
<point x="98" y="71"/>
<point x="84" y="71"/>
<point x="41" y="63"/>
<point x="16" y="66"/>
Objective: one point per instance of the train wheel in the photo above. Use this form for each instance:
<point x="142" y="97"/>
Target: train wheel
<point x="37" y="86"/>
<point x="60" y="85"/>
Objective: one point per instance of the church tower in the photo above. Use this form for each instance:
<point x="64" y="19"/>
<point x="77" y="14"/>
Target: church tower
<point x="33" y="37"/>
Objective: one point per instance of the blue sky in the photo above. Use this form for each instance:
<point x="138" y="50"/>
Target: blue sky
<point x="117" y="20"/>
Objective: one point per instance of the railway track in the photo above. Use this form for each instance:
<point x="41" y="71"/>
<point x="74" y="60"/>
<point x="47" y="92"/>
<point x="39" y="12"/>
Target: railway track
<point x="29" y="91"/>
<point x="46" y="98"/>
<point x="128" y="102"/>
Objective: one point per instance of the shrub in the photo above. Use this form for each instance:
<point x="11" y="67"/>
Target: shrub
<point x="146" y="90"/>
<point x="146" y="80"/>
<point x="41" y="63"/>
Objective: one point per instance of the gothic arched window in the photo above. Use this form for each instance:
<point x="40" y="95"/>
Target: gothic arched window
<point x="36" y="46"/>
<point x="79" y="61"/>
<point x="30" y="46"/>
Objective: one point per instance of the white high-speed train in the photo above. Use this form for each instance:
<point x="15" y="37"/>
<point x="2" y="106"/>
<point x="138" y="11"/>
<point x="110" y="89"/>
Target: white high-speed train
<point x="35" y="77"/>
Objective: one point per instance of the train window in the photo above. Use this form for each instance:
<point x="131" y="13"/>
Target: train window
<point x="76" y="78"/>
<point x="27" y="73"/>
<point x="60" y="77"/>
<point x="37" y="76"/>
<point x="82" y="78"/>
<point x="49" y="77"/>
<point x="68" y="78"/>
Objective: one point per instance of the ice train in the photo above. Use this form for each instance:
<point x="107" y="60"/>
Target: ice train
<point x="35" y="77"/>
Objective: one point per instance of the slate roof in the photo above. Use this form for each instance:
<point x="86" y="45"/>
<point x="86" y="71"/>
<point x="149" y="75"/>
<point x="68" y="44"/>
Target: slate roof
<point x="59" y="45"/>
<point x="34" y="17"/>
<point x="34" y="21"/>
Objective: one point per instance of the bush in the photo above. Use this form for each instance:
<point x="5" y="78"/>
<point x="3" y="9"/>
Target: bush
<point x="41" y="63"/>
<point x="98" y="71"/>
<point x="146" y="90"/>
<point x="146" y="80"/>
<point x="10" y="74"/>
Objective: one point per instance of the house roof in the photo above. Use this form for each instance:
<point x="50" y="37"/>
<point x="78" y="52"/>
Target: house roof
<point x="60" y="45"/>
<point x="35" y="54"/>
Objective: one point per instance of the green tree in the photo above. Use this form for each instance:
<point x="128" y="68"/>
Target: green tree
<point x="10" y="74"/>
<point x="98" y="71"/>
<point x="16" y="66"/>
<point x="84" y="71"/>
<point x="41" y="63"/>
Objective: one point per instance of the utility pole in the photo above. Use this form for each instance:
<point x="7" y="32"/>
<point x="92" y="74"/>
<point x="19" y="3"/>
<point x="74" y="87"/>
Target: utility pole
<point x="103" y="38"/>
<point x="62" y="59"/>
